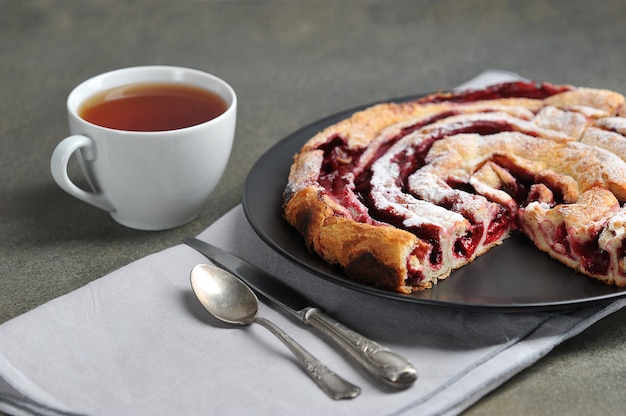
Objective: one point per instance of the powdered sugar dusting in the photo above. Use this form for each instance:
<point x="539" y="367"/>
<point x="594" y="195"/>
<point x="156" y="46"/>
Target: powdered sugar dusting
<point x="616" y="124"/>
<point x="454" y="172"/>
<point x="387" y="194"/>
<point x="570" y="123"/>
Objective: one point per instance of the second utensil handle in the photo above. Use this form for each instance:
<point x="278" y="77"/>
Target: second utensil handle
<point x="332" y="384"/>
<point x="379" y="360"/>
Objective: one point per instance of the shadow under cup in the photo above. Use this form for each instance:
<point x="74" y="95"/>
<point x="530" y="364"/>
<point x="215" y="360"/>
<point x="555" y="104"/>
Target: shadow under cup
<point x="147" y="180"/>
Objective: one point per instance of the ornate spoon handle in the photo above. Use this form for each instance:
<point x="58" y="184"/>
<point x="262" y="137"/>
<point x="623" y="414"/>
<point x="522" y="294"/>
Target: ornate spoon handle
<point x="381" y="361"/>
<point x="332" y="384"/>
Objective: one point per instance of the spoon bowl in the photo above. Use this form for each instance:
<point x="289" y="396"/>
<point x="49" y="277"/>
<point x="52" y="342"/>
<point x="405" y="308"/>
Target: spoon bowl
<point x="223" y="297"/>
<point x="230" y="300"/>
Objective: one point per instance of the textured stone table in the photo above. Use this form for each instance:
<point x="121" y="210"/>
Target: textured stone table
<point x="291" y="62"/>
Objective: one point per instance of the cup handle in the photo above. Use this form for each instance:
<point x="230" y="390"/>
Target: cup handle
<point x="58" y="166"/>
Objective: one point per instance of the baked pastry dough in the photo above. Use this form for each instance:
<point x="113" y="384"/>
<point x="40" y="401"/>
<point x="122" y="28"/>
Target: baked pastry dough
<point x="401" y="194"/>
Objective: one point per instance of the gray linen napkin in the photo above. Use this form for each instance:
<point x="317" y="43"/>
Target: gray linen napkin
<point x="137" y="342"/>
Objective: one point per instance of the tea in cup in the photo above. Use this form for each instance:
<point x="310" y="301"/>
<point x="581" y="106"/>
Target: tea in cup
<point x="152" y="142"/>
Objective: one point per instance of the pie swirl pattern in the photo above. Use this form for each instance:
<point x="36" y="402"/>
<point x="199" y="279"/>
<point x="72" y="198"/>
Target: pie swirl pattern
<point x="401" y="194"/>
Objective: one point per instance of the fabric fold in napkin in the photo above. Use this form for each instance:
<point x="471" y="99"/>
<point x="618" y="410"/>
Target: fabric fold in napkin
<point x="138" y="342"/>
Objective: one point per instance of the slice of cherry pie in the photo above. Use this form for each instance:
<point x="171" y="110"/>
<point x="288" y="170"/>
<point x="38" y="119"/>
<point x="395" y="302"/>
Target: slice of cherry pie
<point x="401" y="194"/>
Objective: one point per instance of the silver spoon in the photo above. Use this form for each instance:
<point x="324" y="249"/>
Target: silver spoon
<point x="230" y="300"/>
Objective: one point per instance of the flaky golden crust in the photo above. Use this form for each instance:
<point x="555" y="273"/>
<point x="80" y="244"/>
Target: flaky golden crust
<point x="377" y="254"/>
<point x="399" y="195"/>
<point x="363" y="126"/>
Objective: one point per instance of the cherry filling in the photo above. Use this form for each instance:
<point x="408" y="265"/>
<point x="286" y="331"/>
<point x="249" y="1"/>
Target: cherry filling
<point x="504" y="90"/>
<point x="411" y="159"/>
<point x="560" y="243"/>
<point x="525" y="189"/>
<point x="414" y="277"/>
<point x="466" y="245"/>
<point x="337" y="176"/>
<point x="348" y="180"/>
<point x="594" y="259"/>
<point x="338" y="169"/>
<point x="427" y="232"/>
<point x="338" y="162"/>
<point x="500" y="224"/>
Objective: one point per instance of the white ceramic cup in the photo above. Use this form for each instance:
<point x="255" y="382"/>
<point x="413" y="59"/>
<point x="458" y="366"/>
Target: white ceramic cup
<point x="147" y="180"/>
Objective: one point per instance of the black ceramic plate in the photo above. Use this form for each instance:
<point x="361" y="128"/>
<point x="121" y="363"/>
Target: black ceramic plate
<point x="514" y="276"/>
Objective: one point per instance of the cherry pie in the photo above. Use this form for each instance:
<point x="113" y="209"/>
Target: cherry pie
<point x="401" y="194"/>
